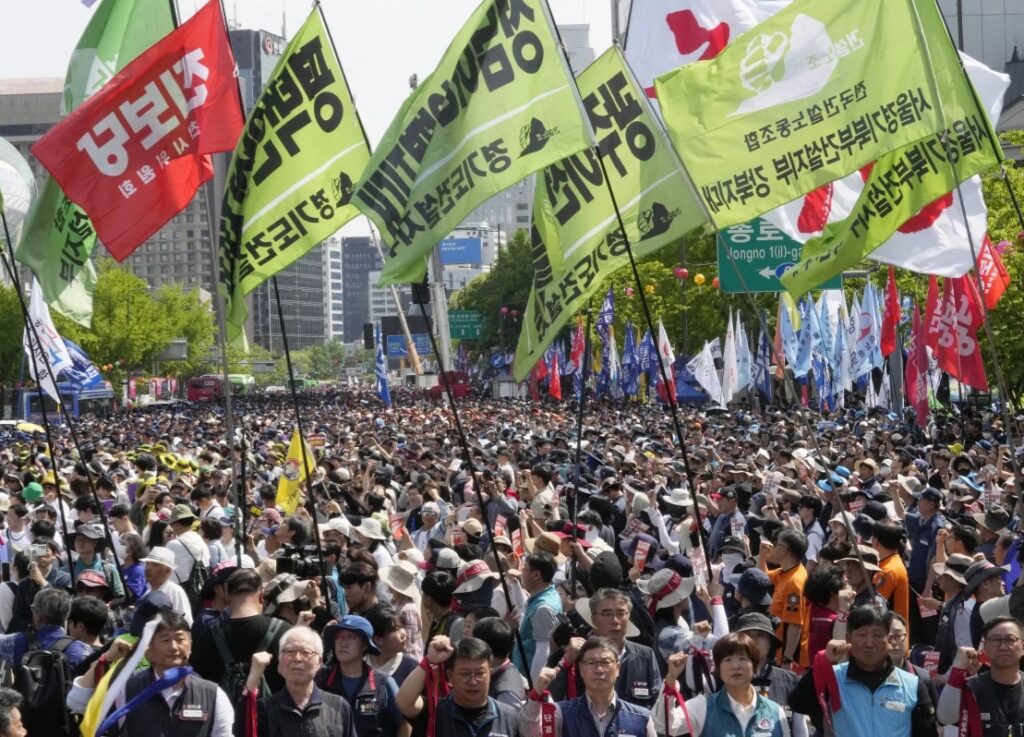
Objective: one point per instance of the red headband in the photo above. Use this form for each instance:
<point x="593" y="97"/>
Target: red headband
<point x="473" y="570"/>
<point x="668" y="588"/>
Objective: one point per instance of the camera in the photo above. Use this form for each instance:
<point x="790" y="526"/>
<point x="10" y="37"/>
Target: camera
<point x="299" y="560"/>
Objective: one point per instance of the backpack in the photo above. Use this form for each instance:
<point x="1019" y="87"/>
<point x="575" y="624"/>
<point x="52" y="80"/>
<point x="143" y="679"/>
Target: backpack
<point x="195" y="582"/>
<point x="236" y="673"/>
<point x="44" y="679"/>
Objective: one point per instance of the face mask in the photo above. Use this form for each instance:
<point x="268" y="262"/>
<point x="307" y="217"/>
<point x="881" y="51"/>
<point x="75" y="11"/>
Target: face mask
<point x="730" y="561"/>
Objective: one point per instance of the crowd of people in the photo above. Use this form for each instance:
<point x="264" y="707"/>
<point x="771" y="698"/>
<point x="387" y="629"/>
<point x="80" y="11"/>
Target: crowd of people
<point x="774" y="573"/>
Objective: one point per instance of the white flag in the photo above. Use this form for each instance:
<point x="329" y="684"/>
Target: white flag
<point x="665" y="348"/>
<point x="707" y="375"/>
<point x="51" y="355"/>
<point x="744" y="361"/>
<point x="731" y="373"/>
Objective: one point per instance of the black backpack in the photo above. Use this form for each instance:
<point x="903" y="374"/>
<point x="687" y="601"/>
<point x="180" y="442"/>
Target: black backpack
<point x="44" y="679"/>
<point x="195" y="582"/>
<point x="236" y="673"/>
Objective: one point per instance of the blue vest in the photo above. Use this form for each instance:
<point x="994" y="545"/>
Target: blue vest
<point x="721" y="722"/>
<point x="884" y="713"/>
<point x="547" y="597"/>
<point x="629" y="720"/>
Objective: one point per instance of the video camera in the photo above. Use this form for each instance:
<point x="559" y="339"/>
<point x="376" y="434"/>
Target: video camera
<point x="299" y="560"/>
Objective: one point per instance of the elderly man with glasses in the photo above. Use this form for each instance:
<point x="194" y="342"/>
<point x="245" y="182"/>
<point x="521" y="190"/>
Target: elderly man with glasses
<point x="300" y="709"/>
<point x="990" y="703"/>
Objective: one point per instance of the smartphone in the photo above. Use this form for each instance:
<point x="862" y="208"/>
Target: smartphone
<point x="5" y="571"/>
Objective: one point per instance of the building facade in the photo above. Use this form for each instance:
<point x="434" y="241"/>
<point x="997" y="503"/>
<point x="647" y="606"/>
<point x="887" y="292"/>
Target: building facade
<point x="359" y="258"/>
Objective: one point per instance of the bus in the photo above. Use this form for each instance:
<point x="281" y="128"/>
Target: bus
<point x="302" y="384"/>
<point x="211" y="386"/>
<point x="24" y="404"/>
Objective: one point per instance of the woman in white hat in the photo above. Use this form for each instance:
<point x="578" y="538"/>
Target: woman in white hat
<point x="402" y="580"/>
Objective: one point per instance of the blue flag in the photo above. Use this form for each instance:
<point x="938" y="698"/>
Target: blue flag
<point x="763" y="367"/>
<point x="83" y="372"/>
<point x="805" y="344"/>
<point x="381" y="372"/>
<point x="630" y="363"/>
<point x="825" y="325"/>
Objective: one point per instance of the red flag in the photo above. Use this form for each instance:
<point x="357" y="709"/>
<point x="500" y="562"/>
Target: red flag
<point x="995" y="278"/>
<point x="930" y="306"/>
<point x="891" y="321"/>
<point x="917" y="370"/>
<point x="555" y="385"/>
<point x="953" y="326"/>
<point x="134" y="154"/>
<point x="579" y="345"/>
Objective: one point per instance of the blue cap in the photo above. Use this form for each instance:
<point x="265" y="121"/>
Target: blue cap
<point x="353" y="623"/>
<point x="843" y="472"/>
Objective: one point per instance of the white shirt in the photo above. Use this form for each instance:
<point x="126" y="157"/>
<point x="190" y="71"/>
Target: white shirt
<point x="186" y="548"/>
<point x="179" y="600"/>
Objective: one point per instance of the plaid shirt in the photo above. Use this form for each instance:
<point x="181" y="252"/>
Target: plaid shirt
<point x="410" y="614"/>
<point x="14" y="646"/>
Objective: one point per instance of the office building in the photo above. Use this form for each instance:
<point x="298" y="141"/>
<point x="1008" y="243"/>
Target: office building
<point x="359" y="258"/>
<point x="334" y="291"/>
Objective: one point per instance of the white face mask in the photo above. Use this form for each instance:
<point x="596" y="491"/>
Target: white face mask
<point x="730" y="561"/>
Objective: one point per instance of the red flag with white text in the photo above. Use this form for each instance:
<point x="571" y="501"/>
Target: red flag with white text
<point x="995" y="278"/>
<point x="952" y="326"/>
<point x="134" y="154"/>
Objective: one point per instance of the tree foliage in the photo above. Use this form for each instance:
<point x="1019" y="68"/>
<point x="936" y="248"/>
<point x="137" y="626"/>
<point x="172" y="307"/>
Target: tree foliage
<point x="12" y="327"/>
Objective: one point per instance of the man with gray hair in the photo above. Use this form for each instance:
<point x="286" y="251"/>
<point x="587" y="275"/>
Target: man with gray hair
<point x="300" y="708"/>
<point x="50" y="610"/>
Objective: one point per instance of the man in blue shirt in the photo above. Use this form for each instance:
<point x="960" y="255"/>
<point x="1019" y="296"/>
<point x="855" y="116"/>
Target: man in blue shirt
<point x="922" y="526"/>
<point x="50" y="610"/>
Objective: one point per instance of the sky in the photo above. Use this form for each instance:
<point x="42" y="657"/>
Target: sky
<point x="380" y="42"/>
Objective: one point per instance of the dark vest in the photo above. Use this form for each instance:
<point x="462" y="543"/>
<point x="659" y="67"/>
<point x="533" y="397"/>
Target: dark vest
<point x="945" y="636"/>
<point x="501" y="719"/>
<point x="629" y="720"/>
<point x="779" y="684"/>
<point x="328" y="717"/>
<point x="368" y="703"/>
<point x="994" y="723"/>
<point x="190" y="716"/>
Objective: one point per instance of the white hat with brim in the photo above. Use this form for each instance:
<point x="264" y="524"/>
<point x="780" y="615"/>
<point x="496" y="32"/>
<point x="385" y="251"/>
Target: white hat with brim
<point x="472" y="575"/>
<point x="370" y="528"/>
<point x="667" y="587"/>
<point x="337" y="524"/>
<point x="160" y="556"/>
<point x="401" y="578"/>
<point x="583" y="608"/>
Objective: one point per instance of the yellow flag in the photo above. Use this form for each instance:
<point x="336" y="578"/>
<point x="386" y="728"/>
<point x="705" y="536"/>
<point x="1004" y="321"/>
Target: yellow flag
<point x="289" y="488"/>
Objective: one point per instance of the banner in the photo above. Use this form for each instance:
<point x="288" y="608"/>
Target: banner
<point x="380" y="371"/>
<point x="952" y="324"/>
<point x="82" y="371"/>
<point x="289" y="487"/>
<point x="135" y="153"/>
<point x="576" y="237"/>
<point x="58" y="237"/>
<point x="706" y="375"/>
<point x="995" y="277"/>
<point x="501" y="104"/>
<point x="801" y="101"/>
<point x="916" y="371"/>
<point x="47" y="356"/>
<point x="292" y="175"/>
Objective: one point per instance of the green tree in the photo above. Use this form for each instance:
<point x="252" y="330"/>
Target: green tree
<point x="326" y="361"/>
<point x="12" y="328"/>
<point x="189" y="318"/>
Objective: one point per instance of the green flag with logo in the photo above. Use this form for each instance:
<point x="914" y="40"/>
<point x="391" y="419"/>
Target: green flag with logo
<point x="57" y="239"/>
<point x="500" y="104"/>
<point x="806" y="98"/>
<point x="904" y="181"/>
<point x="576" y="237"/>
<point x="291" y="178"/>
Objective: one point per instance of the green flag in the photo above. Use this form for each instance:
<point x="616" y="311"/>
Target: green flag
<point x="806" y="98"/>
<point x="576" y="237"/>
<point x="903" y="182"/>
<point x="57" y="239"/>
<point x="501" y="104"/>
<point x="291" y="178"/>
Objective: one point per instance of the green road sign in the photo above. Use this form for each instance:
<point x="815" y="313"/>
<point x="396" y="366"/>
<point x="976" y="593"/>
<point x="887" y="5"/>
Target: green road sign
<point x="761" y="252"/>
<point x="465" y="324"/>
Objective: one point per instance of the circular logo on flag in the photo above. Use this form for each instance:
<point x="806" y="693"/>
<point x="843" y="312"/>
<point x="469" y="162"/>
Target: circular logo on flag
<point x="291" y="470"/>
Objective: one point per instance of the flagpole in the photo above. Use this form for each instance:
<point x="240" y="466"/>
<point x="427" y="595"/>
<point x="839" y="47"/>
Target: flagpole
<point x="310" y="501"/>
<point x="996" y="366"/>
<point x="787" y="380"/>
<point x="410" y="345"/>
<point x="464" y="444"/>
<point x="579" y="437"/>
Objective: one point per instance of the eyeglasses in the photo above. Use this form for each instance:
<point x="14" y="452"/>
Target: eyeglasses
<point x="1002" y="641"/>
<point x="897" y="636"/>
<point x="604" y="664"/>
<point x="298" y="652"/>
<point x="613" y="613"/>
<point x="471" y="675"/>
